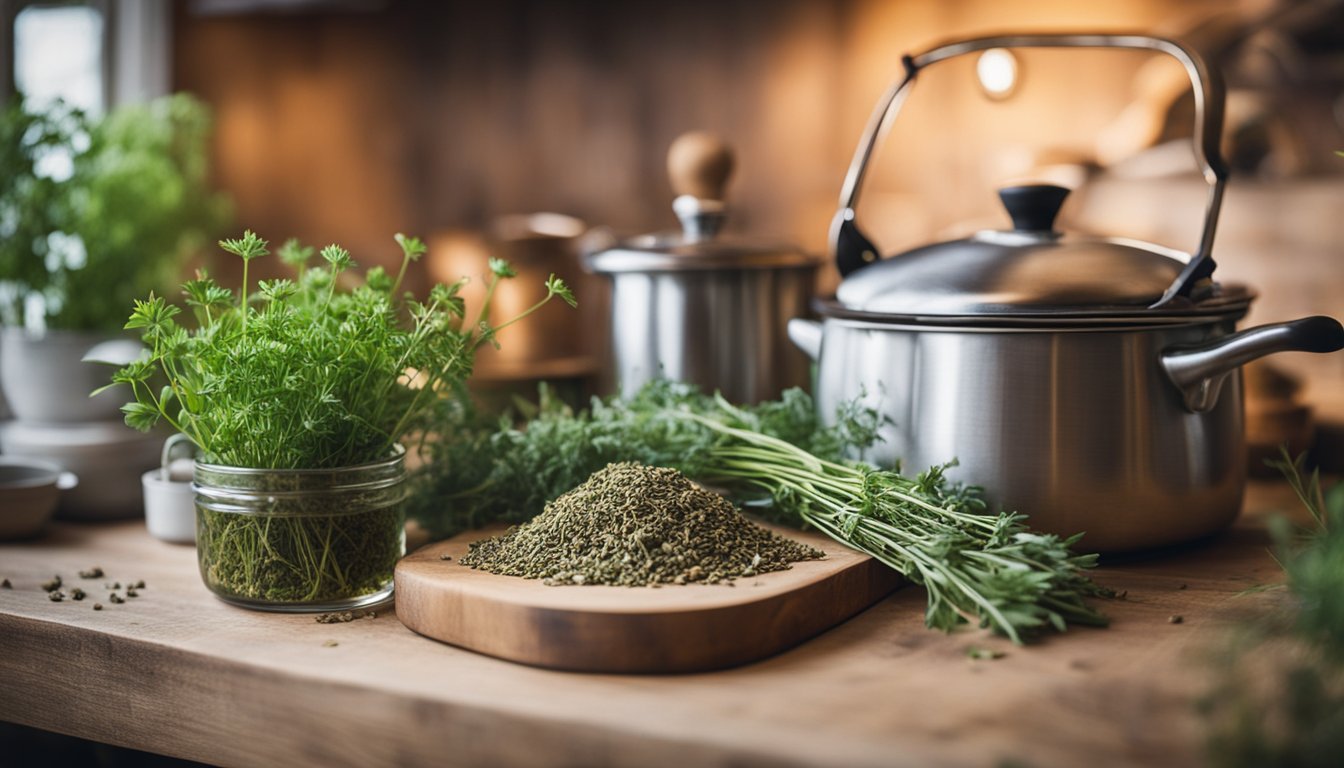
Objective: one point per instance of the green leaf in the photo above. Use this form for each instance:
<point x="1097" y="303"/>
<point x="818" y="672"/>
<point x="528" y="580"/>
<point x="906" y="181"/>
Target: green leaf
<point x="136" y="372"/>
<point x="337" y="257"/>
<point x="141" y="416"/>
<point x="277" y="291"/>
<point x="205" y="293"/>
<point x="153" y="314"/>
<point x="295" y="254"/>
<point x="378" y="280"/>
<point x="248" y="247"/>
<point x="104" y="388"/>
<point x="556" y="287"/>
<point x="411" y="247"/>
<point x="501" y="268"/>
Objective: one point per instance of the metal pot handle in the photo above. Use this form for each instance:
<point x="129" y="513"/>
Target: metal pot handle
<point x="1199" y="371"/>
<point x="851" y="249"/>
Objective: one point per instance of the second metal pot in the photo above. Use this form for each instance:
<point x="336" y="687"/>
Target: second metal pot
<point x="698" y="307"/>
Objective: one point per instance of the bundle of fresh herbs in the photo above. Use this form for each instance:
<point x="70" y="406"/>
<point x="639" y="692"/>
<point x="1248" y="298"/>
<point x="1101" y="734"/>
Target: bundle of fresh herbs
<point x="303" y="375"/>
<point x="986" y="569"/>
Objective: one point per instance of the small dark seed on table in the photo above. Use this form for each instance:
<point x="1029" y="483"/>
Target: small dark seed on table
<point x="1175" y="619"/>
<point x="6" y="585"/>
<point x="76" y="594"/>
<point x="132" y="593"/>
<point x="97" y="606"/>
<point x="93" y="573"/>
<point x="55" y="597"/>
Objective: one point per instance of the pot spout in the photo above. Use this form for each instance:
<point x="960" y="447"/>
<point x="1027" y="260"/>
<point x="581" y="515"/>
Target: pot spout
<point x="1199" y="372"/>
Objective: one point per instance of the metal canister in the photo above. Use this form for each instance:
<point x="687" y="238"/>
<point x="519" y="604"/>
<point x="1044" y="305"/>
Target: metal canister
<point x="703" y="308"/>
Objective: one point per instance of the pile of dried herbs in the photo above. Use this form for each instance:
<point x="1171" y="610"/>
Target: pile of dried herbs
<point x="633" y="525"/>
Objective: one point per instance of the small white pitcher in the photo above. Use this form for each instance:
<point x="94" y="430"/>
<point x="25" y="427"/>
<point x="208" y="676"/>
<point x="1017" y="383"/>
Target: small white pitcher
<point x="170" y="510"/>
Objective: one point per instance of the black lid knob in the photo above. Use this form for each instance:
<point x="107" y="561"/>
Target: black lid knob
<point x="1033" y="207"/>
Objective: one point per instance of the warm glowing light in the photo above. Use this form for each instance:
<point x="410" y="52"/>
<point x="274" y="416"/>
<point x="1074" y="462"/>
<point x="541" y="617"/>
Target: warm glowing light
<point x="997" y="70"/>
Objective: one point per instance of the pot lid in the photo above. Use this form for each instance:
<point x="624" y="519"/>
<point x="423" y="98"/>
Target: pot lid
<point x="699" y="165"/>
<point x="1031" y="269"/>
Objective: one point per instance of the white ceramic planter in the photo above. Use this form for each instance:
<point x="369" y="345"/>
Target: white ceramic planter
<point x="46" y="376"/>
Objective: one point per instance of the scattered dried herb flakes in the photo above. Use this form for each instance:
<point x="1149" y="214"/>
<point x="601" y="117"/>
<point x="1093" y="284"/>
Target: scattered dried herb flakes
<point x="341" y="617"/>
<point x="6" y="585"/>
<point x="330" y="644"/>
<point x="115" y="599"/>
<point x="53" y="585"/>
<point x="56" y="596"/>
<point x="140" y="584"/>
<point x="132" y="593"/>
<point x="93" y="573"/>
<point x="77" y="594"/>
<point x="984" y="654"/>
<point x="1176" y="619"/>
<point x="445" y="557"/>
<point x="97" y="606"/>
<point x="113" y="585"/>
<point x="634" y="525"/>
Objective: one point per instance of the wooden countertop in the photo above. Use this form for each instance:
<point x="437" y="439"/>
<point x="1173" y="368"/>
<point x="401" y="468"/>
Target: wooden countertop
<point x="176" y="671"/>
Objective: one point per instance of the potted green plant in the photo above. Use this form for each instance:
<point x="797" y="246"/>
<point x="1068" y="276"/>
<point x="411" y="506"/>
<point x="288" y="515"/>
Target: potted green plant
<point x="93" y="213"/>
<point x="299" y="398"/>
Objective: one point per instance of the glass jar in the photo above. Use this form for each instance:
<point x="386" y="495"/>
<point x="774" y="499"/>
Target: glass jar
<point x="301" y="539"/>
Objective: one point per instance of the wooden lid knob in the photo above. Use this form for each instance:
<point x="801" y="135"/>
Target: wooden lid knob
<point x="699" y="164"/>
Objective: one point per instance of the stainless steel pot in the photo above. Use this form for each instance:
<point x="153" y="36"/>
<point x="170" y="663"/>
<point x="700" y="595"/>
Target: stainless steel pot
<point x="1092" y="384"/>
<point x="699" y="307"/>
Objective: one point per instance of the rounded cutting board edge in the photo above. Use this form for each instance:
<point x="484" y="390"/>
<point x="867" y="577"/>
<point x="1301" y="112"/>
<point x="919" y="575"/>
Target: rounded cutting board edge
<point x="692" y="628"/>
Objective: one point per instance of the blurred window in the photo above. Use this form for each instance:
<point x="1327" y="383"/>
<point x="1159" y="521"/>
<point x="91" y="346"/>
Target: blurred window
<point x="59" y="54"/>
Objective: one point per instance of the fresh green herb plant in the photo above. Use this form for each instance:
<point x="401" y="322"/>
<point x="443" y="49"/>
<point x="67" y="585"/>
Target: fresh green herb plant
<point x="776" y="458"/>
<point x="302" y="375"/>
<point x="97" y="212"/>
<point x="1278" y="697"/>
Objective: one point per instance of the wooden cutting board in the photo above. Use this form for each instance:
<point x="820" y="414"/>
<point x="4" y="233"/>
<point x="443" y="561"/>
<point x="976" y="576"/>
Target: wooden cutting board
<point x="672" y="628"/>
